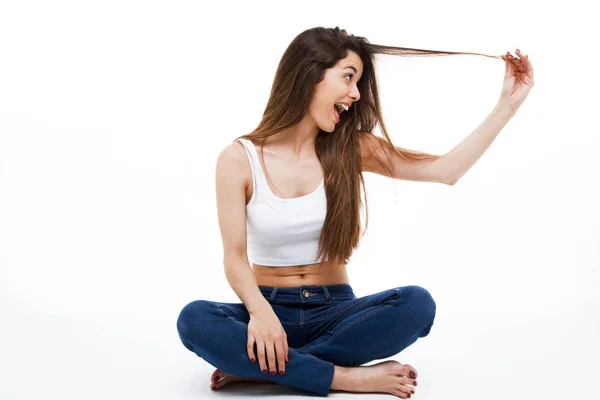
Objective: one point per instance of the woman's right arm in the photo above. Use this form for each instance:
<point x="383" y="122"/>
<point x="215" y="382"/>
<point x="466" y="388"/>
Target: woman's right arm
<point x="231" y="175"/>
<point x="264" y="328"/>
<point x="242" y="281"/>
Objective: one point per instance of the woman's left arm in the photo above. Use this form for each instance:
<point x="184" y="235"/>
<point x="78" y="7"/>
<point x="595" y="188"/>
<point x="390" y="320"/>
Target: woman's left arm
<point x="518" y="81"/>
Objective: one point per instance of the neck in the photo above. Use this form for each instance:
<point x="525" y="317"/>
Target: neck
<point x="297" y="141"/>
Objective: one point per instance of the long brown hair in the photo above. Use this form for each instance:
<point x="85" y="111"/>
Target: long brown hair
<point x="301" y="67"/>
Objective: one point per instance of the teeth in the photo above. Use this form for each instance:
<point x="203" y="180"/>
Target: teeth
<point x="340" y="105"/>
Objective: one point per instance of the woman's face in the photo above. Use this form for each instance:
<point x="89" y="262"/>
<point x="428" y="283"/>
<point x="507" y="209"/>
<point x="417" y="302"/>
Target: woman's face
<point x="338" y="85"/>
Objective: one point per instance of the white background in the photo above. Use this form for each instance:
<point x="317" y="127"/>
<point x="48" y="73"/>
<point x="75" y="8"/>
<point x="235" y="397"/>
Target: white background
<point x="112" y="115"/>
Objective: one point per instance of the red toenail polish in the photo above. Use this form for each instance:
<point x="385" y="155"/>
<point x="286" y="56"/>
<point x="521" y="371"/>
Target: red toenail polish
<point x="412" y="375"/>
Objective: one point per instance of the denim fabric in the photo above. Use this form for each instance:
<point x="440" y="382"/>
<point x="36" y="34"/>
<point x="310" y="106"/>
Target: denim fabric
<point x="325" y="326"/>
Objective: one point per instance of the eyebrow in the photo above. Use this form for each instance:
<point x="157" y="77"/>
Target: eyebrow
<point x="350" y="66"/>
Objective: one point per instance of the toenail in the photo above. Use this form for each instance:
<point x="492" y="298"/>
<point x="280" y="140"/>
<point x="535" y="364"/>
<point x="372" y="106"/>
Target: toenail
<point x="412" y="375"/>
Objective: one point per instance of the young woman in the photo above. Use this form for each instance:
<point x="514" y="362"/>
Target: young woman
<point x="288" y="194"/>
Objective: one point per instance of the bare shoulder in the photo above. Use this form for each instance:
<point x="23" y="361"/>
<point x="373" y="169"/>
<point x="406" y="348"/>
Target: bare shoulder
<point x="233" y="164"/>
<point x="235" y="151"/>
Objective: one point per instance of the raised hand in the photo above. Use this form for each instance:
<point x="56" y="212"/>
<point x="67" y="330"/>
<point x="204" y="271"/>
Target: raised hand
<point x="518" y="79"/>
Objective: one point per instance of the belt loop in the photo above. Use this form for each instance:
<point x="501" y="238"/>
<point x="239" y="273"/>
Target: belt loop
<point x="272" y="297"/>
<point x="327" y="296"/>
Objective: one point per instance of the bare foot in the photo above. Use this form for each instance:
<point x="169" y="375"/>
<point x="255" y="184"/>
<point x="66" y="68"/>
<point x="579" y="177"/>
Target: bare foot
<point x="386" y="377"/>
<point x="221" y="378"/>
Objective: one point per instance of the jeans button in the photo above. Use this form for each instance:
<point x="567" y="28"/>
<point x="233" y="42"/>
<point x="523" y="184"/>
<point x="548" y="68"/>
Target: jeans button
<point x="305" y="293"/>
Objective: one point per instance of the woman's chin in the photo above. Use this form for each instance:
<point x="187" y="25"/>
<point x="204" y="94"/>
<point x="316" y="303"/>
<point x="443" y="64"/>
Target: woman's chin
<point x="329" y="128"/>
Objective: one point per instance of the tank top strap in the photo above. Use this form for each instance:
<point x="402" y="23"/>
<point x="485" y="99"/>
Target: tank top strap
<point x="259" y="181"/>
<point x="255" y="160"/>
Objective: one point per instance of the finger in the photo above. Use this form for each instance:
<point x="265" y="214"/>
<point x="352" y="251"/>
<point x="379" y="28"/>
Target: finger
<point x="260" y="349"/>
<point x="280" y="354"/>
<point x="271" y="357"/>
<point x="513" y="59"/>
<point x="530" y="71"/>
<point x="515" y="65"/>
<point x="528" y="65"/>
<point x="250" y="348"/>
<point x="286" y="349"/>
<point x="521" y="62"/>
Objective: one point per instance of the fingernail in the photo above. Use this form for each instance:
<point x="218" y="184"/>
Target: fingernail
<point x="264" y="370"/>
<point x="412" y="374"/>
<point x="281" y="372"/>
<point x="252" y="359"/>
<point x="412" y="391"/>
<point x="272" y="372"/>
<point x="415" y="383"/>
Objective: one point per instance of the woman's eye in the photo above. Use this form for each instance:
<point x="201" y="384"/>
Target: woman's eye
<point x="350" y="75"/>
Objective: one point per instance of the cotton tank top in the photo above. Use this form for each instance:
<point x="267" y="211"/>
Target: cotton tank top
<point x="281" y="232"/>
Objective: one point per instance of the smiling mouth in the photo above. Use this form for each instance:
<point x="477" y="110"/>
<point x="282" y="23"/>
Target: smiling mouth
<point x="336" y="114"/>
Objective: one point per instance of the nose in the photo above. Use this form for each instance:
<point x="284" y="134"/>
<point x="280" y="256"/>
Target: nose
<point x="355" y="94"/>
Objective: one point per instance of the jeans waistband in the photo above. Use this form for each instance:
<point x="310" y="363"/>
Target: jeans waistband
<point x="307" y="294"/>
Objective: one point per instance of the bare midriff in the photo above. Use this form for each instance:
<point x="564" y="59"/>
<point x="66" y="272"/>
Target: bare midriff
<point x="320" y="274"/>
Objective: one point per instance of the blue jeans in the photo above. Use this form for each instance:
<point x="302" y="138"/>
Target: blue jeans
<point x="325" y="326"/>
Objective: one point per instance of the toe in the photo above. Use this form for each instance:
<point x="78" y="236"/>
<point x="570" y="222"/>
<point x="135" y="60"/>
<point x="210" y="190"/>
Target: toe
<point x="411" y="372"/>
<point x="219" y="383"/>
<point x="218" y="374"/>
<point x="402" y="394"/>
<point x="406" y="381"/>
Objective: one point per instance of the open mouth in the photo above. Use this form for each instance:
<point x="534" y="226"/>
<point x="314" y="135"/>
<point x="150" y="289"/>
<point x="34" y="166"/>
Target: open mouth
<point x="336" y="114"/>
<point x="338" y="109"/>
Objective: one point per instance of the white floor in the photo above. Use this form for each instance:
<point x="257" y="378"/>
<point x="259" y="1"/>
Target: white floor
<point x="139" y="356"/>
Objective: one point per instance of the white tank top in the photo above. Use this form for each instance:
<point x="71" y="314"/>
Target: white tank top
<point x="281" y="232"/>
